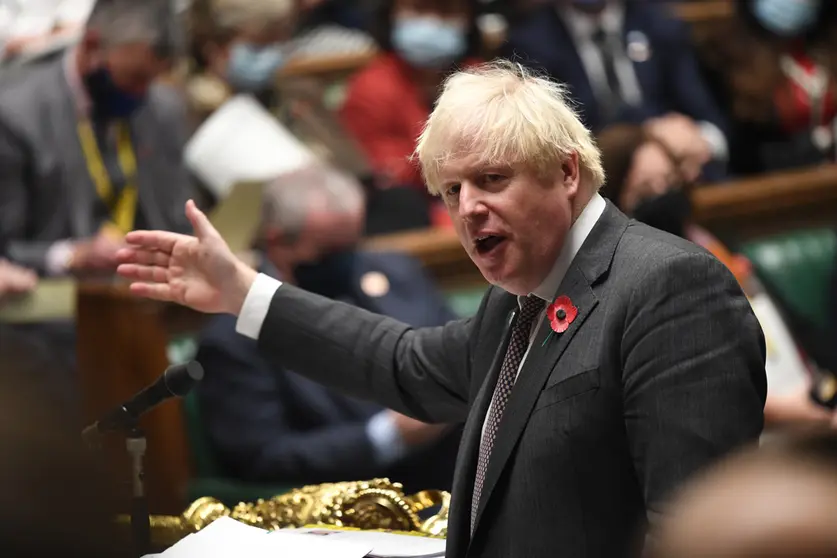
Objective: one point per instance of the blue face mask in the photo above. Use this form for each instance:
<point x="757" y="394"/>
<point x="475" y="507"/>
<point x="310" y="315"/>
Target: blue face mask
<point x="428" y="42"/>
<point x="109" y="101"/>
<point x="253" y="68"/>
<point x="787" y="18"/>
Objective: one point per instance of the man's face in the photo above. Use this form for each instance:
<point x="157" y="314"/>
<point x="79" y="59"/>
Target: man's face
<point x="511" y="222"/>
<point x="134" y="67"/>
<point x="323" y="233"/>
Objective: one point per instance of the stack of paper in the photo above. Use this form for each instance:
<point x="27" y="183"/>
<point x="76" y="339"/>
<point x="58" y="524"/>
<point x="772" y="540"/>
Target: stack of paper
<point x="227" y="538"/>
<point x="383" y="545"/>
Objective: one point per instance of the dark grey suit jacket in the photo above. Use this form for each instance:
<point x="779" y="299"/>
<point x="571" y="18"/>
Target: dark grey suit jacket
<point x="661" y="373"/>
<point x="46" y="193"/>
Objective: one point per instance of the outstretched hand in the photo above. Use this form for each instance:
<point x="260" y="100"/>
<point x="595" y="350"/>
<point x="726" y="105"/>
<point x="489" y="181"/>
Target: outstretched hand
<point x="196" y="271"/>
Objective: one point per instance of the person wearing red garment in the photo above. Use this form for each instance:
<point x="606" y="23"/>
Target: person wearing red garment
<point x="776" y="60"/>
<point x="388" y="102"/>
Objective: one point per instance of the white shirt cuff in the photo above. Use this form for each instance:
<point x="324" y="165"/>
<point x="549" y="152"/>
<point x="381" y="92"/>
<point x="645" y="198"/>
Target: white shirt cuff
<point x="256" y="305"/>
<point x="716" y="139"/>
<point x="57" y="257"/>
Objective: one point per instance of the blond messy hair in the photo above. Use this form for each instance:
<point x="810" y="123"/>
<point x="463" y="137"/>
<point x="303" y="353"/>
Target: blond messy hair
<point x="510" y="116"/>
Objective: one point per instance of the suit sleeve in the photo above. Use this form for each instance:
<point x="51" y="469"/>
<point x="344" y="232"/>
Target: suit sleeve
<point x="423" y="373"/>
<point x="246" y="416"/>
<point x="694" y="380"/>
<point x="14" y="204"/>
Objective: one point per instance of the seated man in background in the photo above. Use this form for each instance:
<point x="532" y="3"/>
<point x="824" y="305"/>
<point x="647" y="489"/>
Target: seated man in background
<point x="90" y="146"/>
<point x="268" y="424"/>
<point x="626" y="61"/>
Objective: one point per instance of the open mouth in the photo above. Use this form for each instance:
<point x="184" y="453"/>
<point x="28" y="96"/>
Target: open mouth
<point x="487" y="244"/>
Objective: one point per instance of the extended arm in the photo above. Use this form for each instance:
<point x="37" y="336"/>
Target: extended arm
<point x="693" y="372"/>
<point x="422" y="373"/>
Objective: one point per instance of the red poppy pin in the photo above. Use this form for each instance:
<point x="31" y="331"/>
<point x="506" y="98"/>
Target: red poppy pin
<point x="560" y="314"/>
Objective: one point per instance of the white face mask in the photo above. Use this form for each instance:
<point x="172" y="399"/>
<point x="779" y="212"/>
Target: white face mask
<point x="787" y="18"/>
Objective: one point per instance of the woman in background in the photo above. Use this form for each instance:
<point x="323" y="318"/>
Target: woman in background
<point x="775" y="63"/>
<point x="389" y="100"/>
<point x="238" y="46"/>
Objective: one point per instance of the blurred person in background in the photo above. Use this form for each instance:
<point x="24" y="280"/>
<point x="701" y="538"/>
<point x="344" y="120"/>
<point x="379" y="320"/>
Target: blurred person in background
<point x="778" y="501"/>
<point x="660" y="197"/>
<point x="90" y="146"/>
<point x="388" y="101"/>
<point x="627" y="62"/>
<point x="90" y="149"/>
<point x="775" y="64"/>
<point x="238" y="46"/>
<point x="272" y="425"/>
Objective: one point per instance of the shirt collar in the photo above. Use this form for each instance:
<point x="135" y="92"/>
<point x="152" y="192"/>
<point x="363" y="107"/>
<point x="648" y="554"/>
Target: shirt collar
<point x="80" y="97"/>
<point x="582" y="25"/>
<point x="576" y="236"/>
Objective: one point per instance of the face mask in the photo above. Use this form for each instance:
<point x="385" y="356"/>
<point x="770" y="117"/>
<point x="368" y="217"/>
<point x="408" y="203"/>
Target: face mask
<point x="253" y="68"/>
<point x="787" y="18"/>
<point x="428" y="42"/>
<point x="668" y="212"/>
<point x="331" y="276"/>
<point x="108" y="100"/>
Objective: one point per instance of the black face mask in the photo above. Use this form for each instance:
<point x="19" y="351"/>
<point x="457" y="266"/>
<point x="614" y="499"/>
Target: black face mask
<point x="331" y="276"/>
<point x="109" y="101"/>
<point x="668" y="212"/>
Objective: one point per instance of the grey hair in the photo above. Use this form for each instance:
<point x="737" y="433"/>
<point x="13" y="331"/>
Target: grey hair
<point x="290" y="199"/>
<point x="154" y="22"/>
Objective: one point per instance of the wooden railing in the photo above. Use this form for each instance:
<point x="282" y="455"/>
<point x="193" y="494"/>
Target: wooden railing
<point x="735" y="210"/>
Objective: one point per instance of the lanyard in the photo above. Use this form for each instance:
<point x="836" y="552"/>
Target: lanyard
<point x="123" y="210"/>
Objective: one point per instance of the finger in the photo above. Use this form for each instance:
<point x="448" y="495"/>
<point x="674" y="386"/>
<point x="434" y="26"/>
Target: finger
<point x="154" y="240"/>
<point x="153" y="258"/>
<point x="135" y="255"/>
<point x="155" y="291"/>
<point x="143" y="273"/>
<point x="200" y="223"/>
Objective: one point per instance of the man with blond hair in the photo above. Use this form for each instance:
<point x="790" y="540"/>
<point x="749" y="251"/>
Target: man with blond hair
<point x="608" y="361"/>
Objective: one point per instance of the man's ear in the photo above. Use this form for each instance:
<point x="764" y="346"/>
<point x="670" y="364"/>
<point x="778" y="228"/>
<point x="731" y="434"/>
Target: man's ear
<point x="571" y="172"/>
<point x="276" y="236"/>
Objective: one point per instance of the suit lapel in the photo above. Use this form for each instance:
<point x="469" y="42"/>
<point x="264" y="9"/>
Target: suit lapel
<point x="76" y="177"/>
<point x="540" y="361"/>
<point x="589" y="265"/>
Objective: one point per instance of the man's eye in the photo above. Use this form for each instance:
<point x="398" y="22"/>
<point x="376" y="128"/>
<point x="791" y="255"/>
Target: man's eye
<point x="491" y="178"/>
<point x="452" y="190"/>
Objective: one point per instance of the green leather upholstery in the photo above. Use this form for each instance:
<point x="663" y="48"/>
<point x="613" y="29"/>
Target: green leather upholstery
<point x="208" y="479"/>
<point x="466" y="302"/>
<point x="796" y="268"/>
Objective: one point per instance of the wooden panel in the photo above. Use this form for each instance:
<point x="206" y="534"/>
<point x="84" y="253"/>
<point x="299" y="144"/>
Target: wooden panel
<point x="122" y="344"/>
<point x="735" y="210"/>
<point x="704" y="11"/>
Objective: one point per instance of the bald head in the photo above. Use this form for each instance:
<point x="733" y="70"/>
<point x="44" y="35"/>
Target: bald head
<point x="762" y="504"/>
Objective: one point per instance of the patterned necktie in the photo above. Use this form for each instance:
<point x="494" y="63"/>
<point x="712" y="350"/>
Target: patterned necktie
<point x="518" y="344"/>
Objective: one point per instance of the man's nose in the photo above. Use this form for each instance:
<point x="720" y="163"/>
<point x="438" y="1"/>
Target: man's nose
<point x="471" y="201"/>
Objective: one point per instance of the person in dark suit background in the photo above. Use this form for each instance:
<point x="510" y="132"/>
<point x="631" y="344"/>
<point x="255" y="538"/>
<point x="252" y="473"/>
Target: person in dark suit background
<point x="627" y="61"/>
<point x="608" y="362"/>
<point x="90" y="144"/>
<point x="269" y="424"/>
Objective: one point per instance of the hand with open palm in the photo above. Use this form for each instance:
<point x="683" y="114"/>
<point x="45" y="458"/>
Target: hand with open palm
<point x="196" y="271"/>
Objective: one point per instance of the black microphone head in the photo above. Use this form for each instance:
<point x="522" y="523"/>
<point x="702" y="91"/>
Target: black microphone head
<point x="181" y="378"/>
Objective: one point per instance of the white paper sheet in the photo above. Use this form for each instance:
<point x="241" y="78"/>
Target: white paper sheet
<point x="243" y="142"/>
<point x="384" y="545"/>
<point x="227" y="538"/>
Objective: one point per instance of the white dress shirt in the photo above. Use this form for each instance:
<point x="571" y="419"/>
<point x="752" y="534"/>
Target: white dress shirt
<point x="582" y="26"/>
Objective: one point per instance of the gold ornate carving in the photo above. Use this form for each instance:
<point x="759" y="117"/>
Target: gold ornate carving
<point x="376" y="504"/>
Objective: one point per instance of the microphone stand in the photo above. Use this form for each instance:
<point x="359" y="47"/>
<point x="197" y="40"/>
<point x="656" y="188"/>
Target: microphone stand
<point x="136" y="445"/>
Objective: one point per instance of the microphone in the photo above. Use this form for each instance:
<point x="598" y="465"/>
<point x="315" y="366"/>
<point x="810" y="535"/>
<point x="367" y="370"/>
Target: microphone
<point x="176" y="381"/>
